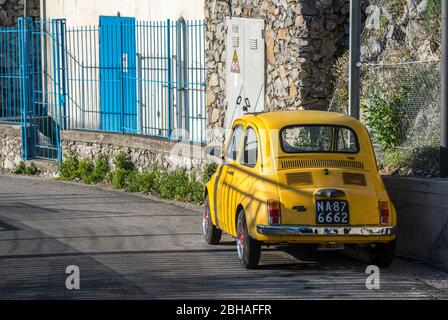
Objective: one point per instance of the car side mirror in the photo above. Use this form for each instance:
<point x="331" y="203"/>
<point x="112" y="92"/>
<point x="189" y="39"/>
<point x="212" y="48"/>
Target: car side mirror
<point x="214" y="151"/>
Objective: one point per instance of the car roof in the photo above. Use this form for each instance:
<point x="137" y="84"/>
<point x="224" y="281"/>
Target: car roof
<point x="280" y="119"/>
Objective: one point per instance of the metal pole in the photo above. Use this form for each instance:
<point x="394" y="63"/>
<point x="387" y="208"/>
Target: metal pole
<point x="25" y="9"/>
<point x="444" y="95"/>
<point x="355" y="58"/>
<point x="139" y="94"/>
<point x="169" y="77"/>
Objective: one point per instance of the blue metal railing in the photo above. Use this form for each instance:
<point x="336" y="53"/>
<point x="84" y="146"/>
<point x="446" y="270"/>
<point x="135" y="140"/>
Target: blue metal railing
<point x="30" y="78"/>
<point x="130" y="78"/>
<point x="10" y="75"/>
<point x="121" y="76"/>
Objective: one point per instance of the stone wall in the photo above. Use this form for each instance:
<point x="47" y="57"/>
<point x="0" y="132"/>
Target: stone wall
<point x="145" y="151"/>
<point x="10" y="146"/>
<point x="422" y="206"/>
<point x="303" y="38"/>
<point x="10" y="10"/>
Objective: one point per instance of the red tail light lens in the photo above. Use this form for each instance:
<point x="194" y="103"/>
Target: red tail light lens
<point x="384" y="212"/>
<point x="274" y="212"/>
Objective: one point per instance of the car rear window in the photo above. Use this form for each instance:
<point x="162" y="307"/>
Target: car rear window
<point x="318" y="139"/>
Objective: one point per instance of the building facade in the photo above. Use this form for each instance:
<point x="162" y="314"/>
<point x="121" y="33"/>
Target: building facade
<point x="87" y="12"/>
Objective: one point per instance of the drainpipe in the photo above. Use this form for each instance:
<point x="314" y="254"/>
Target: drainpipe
<point x="355" y="58"/>
<point x="444" y="95"/>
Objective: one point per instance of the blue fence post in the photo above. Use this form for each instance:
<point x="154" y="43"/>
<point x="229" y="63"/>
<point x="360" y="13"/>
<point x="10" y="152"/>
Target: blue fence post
<point x="61" y="85"/>
<point x="169" y="77"/>
<point x="122" y="78"/>
<point x="63" y="67"/>
<point x="25" y="25"/>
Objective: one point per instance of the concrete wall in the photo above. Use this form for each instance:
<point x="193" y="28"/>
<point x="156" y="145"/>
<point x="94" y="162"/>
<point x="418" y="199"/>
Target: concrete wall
<point x="422" y="206"/>
<point x="86" y="12"/>
<point x="10" y="146"/>
<point x="145" y="151"/>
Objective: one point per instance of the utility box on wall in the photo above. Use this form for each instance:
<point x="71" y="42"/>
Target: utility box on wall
<point x="245" y="67"/>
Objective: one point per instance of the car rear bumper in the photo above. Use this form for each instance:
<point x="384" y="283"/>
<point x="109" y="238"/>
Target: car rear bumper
<point x="356" y="231"/>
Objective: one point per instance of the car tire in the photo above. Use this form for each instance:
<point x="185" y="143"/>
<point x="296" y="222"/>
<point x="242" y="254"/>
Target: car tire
<point x="212" y="234"/>
<point x="248" y="249"/>
<point x="383" y="254"/>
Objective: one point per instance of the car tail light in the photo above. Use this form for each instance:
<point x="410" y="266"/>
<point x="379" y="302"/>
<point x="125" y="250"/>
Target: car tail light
<point x="384" y="212"/>
<point x="274" y="212"/>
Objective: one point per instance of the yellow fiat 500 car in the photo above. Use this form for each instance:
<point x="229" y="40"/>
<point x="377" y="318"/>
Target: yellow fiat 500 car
<point x="299" y="177"/>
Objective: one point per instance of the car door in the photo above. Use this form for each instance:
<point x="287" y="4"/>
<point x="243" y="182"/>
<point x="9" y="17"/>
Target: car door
<point x="224" y="190"/>
<point x="245" y="177"/>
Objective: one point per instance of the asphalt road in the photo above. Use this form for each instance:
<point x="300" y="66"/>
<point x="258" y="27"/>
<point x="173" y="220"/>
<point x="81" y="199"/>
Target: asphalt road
<point x="133" y="247"/>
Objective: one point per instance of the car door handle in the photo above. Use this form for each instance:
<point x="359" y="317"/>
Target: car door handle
<point x="231" y="173"/>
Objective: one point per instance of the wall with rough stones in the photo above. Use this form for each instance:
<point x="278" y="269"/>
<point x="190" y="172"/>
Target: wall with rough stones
<point x="145" y="151"/>
<point x="303" y="39"/>
<point x="10" y="10"/>
<point x="10" y="146"/>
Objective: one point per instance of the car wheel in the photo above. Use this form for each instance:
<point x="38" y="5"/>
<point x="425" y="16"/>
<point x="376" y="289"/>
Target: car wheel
<point x="212" y="234"/>
<point x="382" y="254"/>
<point x="248" y="249"/>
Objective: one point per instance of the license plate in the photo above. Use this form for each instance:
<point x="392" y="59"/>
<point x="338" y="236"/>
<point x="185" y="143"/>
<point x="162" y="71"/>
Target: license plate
<point x="331" y="247"/>
<point x="333" y="212"/>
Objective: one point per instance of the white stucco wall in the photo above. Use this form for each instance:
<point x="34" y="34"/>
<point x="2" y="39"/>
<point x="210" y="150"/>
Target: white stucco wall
<point x="87" y="12"/>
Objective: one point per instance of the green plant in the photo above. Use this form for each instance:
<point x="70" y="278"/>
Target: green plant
<point x="424" y="161"/>
<point x="123" y="168"/>
<point x="172" y="184"/>
<point x="421" y="161"/>
<point x="149" y="179"/>
<point x="397" y="7"/>
<point x="132" y="181"/>
<point x="432" y="18"/>
<point x="339" y="72"/>
<point x="117" y="178"/>
<point x="385" y="114"/>
<point x="68" y="168"/>
<point x="101" y="169"/>
<point x="19" y="168"/>
<point x="22" y="168"/>
<point x="123" y="161"/>
<point x="209" y="170"/>
<point x="32" y="169"/>
<point x="393" y="159"/>
<point x="177" y="184"/>
<point x="195" y="191"/>
<point x="383" y="23"/>
<point x="85" y="170"/>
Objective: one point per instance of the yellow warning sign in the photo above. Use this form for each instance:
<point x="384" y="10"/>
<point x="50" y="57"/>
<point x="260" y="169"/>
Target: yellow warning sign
<point x="235" y="67"/>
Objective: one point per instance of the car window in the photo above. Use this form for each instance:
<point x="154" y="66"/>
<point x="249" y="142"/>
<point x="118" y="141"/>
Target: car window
<point x="235" y="142"/>
<point x="319" y="139"/>
<point x="250" y="150"/>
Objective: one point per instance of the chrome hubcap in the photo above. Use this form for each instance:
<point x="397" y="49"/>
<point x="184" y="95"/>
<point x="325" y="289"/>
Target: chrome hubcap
<point x="205" y="218"/>
<point x="240" y="242"/>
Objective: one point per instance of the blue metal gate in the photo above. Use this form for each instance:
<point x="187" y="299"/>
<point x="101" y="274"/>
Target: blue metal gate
<point x="118" y="93"/>
<point x="43" y="89"/>
<point x="33" y="84"/>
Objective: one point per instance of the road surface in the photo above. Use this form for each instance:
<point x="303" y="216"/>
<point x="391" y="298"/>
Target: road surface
<point x="133" y="247"/>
